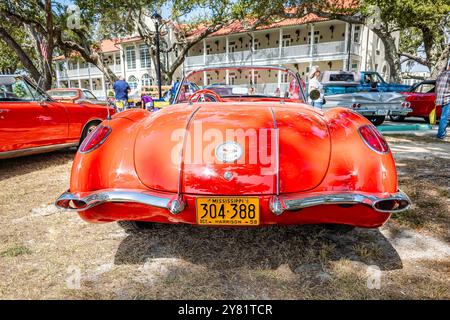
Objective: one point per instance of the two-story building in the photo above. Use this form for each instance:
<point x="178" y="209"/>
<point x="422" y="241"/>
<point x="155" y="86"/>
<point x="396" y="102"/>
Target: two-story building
<point x="128" y="57"/>
<point x="296" y="43"/>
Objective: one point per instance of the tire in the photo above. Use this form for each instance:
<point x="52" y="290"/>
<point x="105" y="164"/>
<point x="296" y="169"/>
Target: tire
<point x="397" y="118"/>
<point x="339" y="228"/>
<point x="135" y="226"/>
<point x="376" y="120"/>
<point x="88" y="129"/>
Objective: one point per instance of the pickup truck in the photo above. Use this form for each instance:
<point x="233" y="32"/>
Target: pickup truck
<point x="375" y="106"/>
<point x="340" y="82"/>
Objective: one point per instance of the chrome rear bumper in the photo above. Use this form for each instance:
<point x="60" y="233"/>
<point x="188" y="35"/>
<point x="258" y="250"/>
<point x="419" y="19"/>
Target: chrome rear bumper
<point x="73" y="202"/>
<point x="392" y="202"/>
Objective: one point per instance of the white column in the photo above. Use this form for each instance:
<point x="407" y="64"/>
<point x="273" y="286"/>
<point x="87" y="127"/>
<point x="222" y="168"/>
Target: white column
<point x="227" y="77"/>
<point x="279" y="79"/>
<point x="90" y="78"/>
<point x="227" y="50"/>
<point x="204" y="52"/>
<point x="58" y="74"/>
<point x="122" y="61"/>
<point x="346" y="45"/>
<point x="104" y="87"/>
<point x="79" y="83"/>
<point x="252" y="49"/>
<point x="280" y="41"/>
<point x="138" y="57"/>
<point x="205" y="83"/>
<point x="312" y="42"/>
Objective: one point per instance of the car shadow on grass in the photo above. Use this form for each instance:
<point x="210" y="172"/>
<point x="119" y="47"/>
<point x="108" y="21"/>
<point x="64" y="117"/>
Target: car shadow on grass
<point x="23" y="165"/>
<point x="262" y="248"/>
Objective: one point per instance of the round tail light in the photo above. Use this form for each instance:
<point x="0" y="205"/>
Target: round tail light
<point x="95" y="139"/>
<point x="373" y="138"/>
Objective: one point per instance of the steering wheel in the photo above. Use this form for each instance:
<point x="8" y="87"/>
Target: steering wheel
<point x="205" y="95"/>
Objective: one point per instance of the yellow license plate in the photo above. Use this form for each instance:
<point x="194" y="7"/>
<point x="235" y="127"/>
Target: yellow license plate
<point x="228" y="211"/>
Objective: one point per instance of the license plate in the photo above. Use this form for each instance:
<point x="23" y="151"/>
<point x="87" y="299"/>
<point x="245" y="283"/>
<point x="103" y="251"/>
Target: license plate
<point x="382" y="112"/>
<point x="228" y="211"/>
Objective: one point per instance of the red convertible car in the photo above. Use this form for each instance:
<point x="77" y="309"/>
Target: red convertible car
<point x="254" y="154"/>
<point x="422" y="97"/>
<point x="75" y="95"/>
<point x="32" y="122"/>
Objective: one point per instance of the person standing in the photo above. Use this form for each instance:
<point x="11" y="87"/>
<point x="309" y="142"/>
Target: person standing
<point x="315" y="84"/>
<point x="121" y="90"/>
<point x="443" y="100"/>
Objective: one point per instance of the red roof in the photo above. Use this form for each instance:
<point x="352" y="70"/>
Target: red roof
<point x="239" y="26"/>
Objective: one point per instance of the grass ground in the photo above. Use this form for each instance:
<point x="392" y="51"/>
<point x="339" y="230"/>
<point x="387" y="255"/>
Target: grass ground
<point x="46" y="253"/>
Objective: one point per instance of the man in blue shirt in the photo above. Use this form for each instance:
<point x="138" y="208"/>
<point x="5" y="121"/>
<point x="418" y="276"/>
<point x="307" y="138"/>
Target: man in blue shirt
<point x="443" y="100"/>
<point x="121" y="90"/>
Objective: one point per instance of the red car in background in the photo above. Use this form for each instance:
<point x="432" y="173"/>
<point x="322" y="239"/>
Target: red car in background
<point x="422" y="97"/>
<point x="75" y="95"/>
<point x="32" y="122"/>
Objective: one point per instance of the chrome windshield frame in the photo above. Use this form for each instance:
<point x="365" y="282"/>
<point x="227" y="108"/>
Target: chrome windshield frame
<point x="278" y="68"/>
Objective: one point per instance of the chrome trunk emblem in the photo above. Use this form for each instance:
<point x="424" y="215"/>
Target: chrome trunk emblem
<point x="229" y="151"/>
<point x="228" y="175"/>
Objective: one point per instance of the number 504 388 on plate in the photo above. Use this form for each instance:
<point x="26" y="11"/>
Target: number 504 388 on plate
<point x="232" y="211"/>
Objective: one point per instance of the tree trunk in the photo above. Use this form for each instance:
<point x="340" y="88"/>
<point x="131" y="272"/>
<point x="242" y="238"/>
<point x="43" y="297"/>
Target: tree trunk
<point x="391" y="54"/>
<point x="21" y="54"/>
<point x="441" y="63"/>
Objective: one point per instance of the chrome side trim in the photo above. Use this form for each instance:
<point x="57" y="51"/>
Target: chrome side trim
<point x="277" y="152"/>
<point x="180" y="165"/>
<point x="73" y="202"/>
<point x="374" y="201"/>
<point x="35" y="150"/>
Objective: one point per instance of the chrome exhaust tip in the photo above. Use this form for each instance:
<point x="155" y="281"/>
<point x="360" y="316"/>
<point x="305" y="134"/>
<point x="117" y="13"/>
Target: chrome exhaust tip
<point x="71" y="203"/>
<point x="391" y="205"/>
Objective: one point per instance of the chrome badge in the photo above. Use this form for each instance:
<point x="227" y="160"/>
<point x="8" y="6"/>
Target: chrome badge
<point x="229" y="151"/>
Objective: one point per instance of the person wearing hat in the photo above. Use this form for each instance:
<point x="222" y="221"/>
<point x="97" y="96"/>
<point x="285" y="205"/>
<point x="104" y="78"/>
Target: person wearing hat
<point x="443" y="100"/>
<point x="314" y="84"/>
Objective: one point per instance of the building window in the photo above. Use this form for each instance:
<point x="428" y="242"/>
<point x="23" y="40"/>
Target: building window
<point x="131" y="57"/>
<point x="286" y="42"/>
<point x="118" y="62"/>
<point x="316" y="36"/>
<point x="146" y="80"/>
<point x="357" y="34"/>
<point x="145" y="56"/>
<point x="132" y="82"/>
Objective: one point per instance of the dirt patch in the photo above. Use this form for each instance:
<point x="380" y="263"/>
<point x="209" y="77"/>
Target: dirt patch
<point x="53" y="254"/>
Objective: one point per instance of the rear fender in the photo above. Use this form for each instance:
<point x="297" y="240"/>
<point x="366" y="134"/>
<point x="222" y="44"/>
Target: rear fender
<point x="111" y="164"/>
<point x="354" y="166"/>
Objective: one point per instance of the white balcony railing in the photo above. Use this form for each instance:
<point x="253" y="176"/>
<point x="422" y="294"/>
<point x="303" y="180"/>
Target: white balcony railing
<point x="195" y="60"/>
<point x="300" y="51"/>
<point x="328" y="48"/>
<point x="85" y="72"/>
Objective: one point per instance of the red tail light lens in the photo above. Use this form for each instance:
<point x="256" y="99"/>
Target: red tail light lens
<point x="95" y="138"/>
<point x="373" y="138"/>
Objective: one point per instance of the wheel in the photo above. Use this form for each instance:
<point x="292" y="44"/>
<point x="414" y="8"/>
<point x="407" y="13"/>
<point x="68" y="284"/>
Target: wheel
<point x="376" y="120"/>
<point x="397" y="118"/>
<point x="135" y="226"/>
<point x="88" y="129"/>
<point x="339" y="228"/>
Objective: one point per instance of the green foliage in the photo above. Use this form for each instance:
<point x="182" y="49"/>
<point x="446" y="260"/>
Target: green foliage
<point x="15" y="251"/>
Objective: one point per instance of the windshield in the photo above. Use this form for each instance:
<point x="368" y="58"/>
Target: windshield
<point x="63" y="93"/>
<point x="16" y="88"/>
<point x="242" y="84"/>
